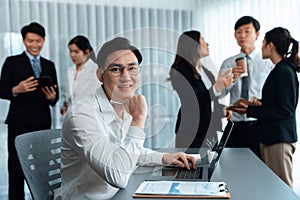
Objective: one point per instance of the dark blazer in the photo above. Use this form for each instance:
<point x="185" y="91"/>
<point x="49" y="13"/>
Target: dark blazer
<point x="277" y="115"/>
<point x="195" y="113"/>
<point x="31" y="108"/>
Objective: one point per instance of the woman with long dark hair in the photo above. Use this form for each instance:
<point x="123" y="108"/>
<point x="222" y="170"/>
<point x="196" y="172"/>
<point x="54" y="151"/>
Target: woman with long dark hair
<point x="81" y="77"/>
<point x="194" y="116"/>
<point x="276" y="110"/>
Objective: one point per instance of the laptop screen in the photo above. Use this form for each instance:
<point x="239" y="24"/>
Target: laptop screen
<point x="218" y="148"/>
<point x="213" y="143"/>
<point x="206" y="167"/>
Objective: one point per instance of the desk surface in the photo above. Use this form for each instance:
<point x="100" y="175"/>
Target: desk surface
<point x="247" y="177"/>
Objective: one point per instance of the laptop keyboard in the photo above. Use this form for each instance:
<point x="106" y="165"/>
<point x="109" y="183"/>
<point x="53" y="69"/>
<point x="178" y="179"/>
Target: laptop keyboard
<point x="184" y="173"/>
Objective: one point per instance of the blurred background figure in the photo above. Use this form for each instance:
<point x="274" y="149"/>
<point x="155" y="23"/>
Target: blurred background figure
<point x="29" y="108"/>
<point x="81" y="77"/>
<point x="194" y="116"/>
<point x="276" y="110"/>
<point x="246" y="32"/>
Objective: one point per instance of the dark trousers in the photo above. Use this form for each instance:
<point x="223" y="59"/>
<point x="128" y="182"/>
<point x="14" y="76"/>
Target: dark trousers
<point x="244" y="134"/>
<point x="15" y="172"/>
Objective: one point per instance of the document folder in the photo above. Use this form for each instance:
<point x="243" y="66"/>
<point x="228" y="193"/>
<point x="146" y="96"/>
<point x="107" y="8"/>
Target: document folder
<point x="236" y="105"/>
<point x="182" y="189"/>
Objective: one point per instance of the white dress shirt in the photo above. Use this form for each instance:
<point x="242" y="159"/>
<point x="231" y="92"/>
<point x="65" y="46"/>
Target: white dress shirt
<point x="258" y="70"/>
<point x="84" y="84"/>
<point x="100" y="151"/>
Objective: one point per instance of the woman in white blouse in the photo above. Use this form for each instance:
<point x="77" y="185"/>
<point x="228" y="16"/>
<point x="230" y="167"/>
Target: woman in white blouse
<point x="81" y="77"/>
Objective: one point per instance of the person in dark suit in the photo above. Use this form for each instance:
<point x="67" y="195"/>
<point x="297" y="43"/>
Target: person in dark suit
<point x="194" y="116"/>
<point x="29" y="104"/>
<point x="276" y="110"/>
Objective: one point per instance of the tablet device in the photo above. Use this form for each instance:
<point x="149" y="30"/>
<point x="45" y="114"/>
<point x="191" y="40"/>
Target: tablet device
<point x="44" y="81"/>
<point x="236" y="105"/>
<point x="234" y="108"/>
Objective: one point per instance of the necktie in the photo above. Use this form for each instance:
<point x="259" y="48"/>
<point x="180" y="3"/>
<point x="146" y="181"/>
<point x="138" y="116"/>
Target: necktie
<point x="36" y="67"/>
<point x="245" y="83"/>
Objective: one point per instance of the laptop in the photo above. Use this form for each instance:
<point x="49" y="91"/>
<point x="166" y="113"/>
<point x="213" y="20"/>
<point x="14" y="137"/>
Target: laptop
<point x="204" y="169"/>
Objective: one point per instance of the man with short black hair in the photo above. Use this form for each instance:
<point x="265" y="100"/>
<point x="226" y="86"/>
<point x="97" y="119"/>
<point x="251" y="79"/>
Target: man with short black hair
<point x="247" y="30"/>
<point x="103" y="135"/>
<point x="29" y="103"/>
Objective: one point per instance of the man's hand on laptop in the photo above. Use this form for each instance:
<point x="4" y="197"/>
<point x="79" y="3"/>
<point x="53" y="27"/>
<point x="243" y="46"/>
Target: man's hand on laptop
<point x="181" y="159"/>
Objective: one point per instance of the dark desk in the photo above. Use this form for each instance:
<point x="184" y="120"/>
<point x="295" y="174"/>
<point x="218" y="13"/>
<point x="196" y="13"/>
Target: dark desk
<point x="247" y="177"/>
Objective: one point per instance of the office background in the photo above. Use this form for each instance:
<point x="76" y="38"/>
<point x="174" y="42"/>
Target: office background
<point x="154" y="27"/>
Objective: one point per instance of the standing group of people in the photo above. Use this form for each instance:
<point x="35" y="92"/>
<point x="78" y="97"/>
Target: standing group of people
<point x="266" y="121"/>
<point x="103" y="132"/>
<point x="275" y="110"/>
<point x="118" y="70"/>
<point x="29" y="102"/>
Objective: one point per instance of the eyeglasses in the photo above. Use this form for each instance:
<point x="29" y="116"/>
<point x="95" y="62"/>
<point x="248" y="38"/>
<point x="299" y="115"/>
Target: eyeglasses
<point x="117" y="69"/>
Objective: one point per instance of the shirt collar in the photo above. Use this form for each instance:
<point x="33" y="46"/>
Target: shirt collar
<point x="252" y="54"/>
<point x="87" y="63"/>
<point x="105" y="107"/>
<point x="31" y="56"/>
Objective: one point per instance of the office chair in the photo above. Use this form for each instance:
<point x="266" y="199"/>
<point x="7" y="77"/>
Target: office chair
<point x="39" y="155"/>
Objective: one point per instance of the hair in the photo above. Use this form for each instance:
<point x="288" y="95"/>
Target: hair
<point x="83" y="44"/>
<point x="187" y="52"/>
<point x="286" y="46"/>
<point x="247" y="20"/>
<point x="118" y="43"/>
<point x="33" y="27"/>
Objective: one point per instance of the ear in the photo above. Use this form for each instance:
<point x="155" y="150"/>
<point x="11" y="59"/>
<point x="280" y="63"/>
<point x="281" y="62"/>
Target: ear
<point x="257" y="34"/>
<point x="87" y="52"/>
<point x="271" y="45"/>
<point x="99" y="73"/>
<point x="234" y="34"/>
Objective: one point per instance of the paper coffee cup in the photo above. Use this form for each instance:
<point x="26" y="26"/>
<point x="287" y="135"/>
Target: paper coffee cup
<point x="242" y="61"/>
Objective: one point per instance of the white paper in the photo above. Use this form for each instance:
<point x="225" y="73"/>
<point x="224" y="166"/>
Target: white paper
<point x="191" y="188"/>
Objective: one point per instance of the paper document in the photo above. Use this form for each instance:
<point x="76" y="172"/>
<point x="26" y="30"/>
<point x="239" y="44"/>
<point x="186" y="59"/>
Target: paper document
<point x="182" y="188"/>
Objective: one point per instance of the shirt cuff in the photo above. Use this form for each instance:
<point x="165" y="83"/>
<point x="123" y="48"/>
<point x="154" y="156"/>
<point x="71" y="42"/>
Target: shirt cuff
<point x="156" y="158"/>
<point x="215" y="92"/>
<point x="150" y="158"/>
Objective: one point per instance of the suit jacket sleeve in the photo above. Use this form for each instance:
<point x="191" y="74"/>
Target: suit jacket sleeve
<point x="6" y="80"/>
<point x="280" y="95"/>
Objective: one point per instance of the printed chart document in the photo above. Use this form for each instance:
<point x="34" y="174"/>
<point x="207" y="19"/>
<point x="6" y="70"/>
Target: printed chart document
<point x="182" y="189"/>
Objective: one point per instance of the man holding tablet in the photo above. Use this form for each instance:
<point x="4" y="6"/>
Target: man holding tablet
<point x="29" y="104"/>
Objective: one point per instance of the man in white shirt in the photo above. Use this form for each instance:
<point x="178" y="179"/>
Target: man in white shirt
<point x="247" y="30"/>
<point x="103" y="135"/>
